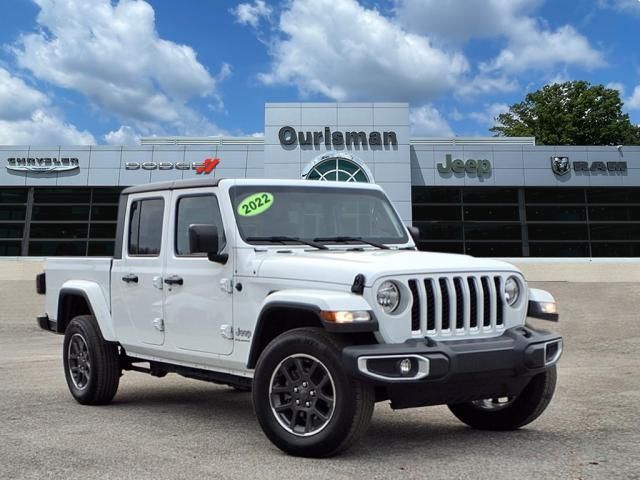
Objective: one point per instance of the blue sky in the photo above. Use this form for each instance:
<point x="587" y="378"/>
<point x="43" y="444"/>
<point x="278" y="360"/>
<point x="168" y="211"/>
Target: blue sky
<point x="100" y="71"/>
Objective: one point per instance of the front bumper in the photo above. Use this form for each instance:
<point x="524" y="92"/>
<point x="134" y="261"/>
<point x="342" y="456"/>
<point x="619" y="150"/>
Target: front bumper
<point x="455" y="371"/>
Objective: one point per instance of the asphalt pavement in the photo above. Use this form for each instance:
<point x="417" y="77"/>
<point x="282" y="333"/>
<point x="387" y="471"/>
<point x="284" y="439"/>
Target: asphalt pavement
<point x="178" y="428"/>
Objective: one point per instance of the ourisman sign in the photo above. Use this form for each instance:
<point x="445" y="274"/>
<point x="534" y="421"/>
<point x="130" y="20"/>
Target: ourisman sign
<point x="288" y="136"/>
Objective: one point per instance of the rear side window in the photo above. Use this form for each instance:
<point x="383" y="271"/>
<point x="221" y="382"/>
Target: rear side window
<point x="193" y="210"/>
<point x="145" y="227"/>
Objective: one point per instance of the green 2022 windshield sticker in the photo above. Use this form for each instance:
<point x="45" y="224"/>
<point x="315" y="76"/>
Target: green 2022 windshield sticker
<point x="255" y="204"/>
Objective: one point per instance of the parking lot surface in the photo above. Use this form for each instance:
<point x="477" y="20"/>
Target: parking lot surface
<point x="179" y="428"/>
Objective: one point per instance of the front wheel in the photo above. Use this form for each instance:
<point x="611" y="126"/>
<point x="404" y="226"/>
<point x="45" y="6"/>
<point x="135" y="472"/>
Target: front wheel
<point x="509" y="413"/>
<point x="304" y="401"/>
<point x="91" y="365"/>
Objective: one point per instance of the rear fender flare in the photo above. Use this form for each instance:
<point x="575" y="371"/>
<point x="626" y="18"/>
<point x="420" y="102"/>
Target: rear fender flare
<point x="92" y="293"/>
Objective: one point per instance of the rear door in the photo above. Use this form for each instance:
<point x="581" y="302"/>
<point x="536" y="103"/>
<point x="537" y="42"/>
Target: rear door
<point x="137" y="303"/>
<point x="198" y="309"/>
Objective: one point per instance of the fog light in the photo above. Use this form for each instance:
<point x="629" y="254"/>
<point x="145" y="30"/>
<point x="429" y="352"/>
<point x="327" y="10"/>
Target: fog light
<point x="405" y="366"/>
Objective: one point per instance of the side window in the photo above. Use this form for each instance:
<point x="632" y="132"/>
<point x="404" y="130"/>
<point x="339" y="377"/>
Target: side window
<point x="198" y="209"/>
<point x="145" y="227"/>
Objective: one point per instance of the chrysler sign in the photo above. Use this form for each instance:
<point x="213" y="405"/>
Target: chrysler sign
<point x="42" y="164"/>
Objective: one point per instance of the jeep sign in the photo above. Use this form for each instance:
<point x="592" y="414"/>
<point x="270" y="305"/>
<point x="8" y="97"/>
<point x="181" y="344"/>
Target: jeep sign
<point x="470" y="166"/>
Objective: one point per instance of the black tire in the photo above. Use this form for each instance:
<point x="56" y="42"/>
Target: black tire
<point x="521" y="411"/>
<point x="95" y="382"/>
<point x="352" y="404"/>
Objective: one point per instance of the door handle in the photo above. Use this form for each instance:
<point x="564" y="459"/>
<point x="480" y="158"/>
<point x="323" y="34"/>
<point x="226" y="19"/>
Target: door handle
<point x="130" y="278"/>
<point x="173" y="280"/>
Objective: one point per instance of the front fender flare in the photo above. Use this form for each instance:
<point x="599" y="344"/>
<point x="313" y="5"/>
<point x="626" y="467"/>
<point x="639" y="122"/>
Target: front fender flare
<point x="311" y="302"/>
<point x="92" y="293"/>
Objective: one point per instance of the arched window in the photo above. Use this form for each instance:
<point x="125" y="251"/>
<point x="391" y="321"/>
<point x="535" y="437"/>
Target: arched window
<point x="339" y="169"/>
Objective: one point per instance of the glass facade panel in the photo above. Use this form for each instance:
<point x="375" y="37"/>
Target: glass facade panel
<point x="437" y="212"/>
<point x="11" y="230"/>
<point x="77" y="213"/>
<point x="13" y="212"/>
<point x="560" y="249"/>
<point x="613" y="195"/>
<point x="492" y="213"/>
<point x="445" y="247"/>
<point x="57" y="248"/>
<point x="101" y="249"/>
<point x="492" y="249"/>
<point x="104" y="213"/>
<point x="10" y="249"/>
<point x="558" y="213"/>
<point x="615" y="231"/>
<point x="439" y="230"/>
<point x="62" y="195"/>
<point x="618" y="213"/>
<point x="13" y="195"/>
<point x="102" y="230"/>
<point x="554" y="195"/>
<point x="490" y="195"/>
<point x="436" y="195"/>
<point x="106" y="195"/>
<point x="557" y="231"/>
<point x="604" y="249"/>
<point x="492" y="231"/>
<point x="59" y="230"/>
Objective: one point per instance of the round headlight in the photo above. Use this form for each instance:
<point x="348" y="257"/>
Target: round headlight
<point x="511" y="291"/>
<point x="388" y="296"/>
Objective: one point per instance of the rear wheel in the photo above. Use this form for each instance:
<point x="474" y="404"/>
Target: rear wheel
<point x="91" y="365"/>
<point x="509" y="413"/>
<point x="304" y="401"/>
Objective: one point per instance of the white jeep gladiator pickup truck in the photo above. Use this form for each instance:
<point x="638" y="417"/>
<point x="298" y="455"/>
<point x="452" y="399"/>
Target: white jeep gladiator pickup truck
<point x="311" y="295"/>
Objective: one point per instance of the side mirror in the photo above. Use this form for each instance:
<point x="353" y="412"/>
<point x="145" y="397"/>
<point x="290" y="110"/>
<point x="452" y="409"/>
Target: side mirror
<point x="415" y="234"/>
<point x="204" y="239"/>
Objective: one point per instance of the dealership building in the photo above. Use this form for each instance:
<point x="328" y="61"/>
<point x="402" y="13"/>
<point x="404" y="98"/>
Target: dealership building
<point x="482" y="196"/>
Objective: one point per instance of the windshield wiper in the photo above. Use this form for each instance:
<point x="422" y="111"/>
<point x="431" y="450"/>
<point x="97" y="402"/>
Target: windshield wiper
<point x="344" y="239"/>
<point x="283" y="239"/>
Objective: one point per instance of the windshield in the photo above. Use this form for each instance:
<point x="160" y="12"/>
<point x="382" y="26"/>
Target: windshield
<point x="329" y="215"/>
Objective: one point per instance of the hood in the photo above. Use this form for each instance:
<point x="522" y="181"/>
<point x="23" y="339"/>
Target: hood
<point x="341" y="266"/>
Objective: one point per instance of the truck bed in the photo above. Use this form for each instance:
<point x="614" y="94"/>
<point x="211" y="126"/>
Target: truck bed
<point x="60" y="270"/>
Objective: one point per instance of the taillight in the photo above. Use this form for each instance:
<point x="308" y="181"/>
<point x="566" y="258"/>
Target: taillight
<point x="41" y="283"/>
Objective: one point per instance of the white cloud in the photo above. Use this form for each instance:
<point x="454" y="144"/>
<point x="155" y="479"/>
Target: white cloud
<point x="484" y="84"/>
<point x="530" y="44"/>
<point x="489" y="116"/>
<point x="112" y="54"/>
<point x="44" y="129"/>
<point x="461" y="20"/>
<point x="633" y="102"/>
<point x="26" y="117"/>
<point x="427" y="121"/>
<point x="248" y="14"/>
<point x="616" y="86"/>
<point x="345" y="51"/>
<point x="624" y="6"/>
<point x="532" y="48"/>
<point x="17" y="99"/>
<point x="125" y="135"/>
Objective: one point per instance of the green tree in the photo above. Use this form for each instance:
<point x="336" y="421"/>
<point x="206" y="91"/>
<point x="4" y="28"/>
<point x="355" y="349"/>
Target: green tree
<point x="570" y="113"/>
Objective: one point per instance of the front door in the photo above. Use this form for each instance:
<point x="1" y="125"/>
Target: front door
<point x="198" y="299"/>
<point x="136" y="278"/>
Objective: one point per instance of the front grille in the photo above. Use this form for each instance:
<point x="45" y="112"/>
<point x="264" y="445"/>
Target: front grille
<point x="456" y="305"/>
